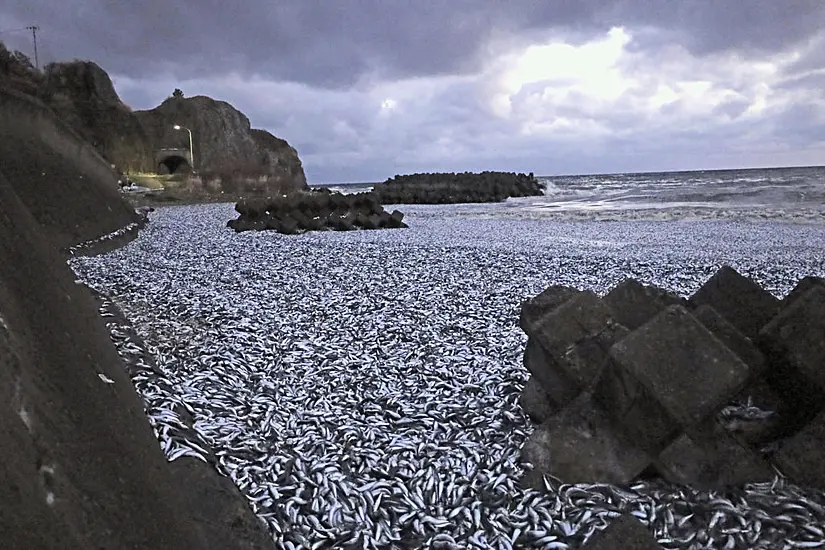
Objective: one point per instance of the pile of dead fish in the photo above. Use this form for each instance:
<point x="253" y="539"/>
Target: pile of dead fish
<point x="361" y="388"/>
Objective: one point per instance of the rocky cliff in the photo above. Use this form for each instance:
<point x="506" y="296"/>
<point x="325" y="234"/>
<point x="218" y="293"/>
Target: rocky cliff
<point x="224" y="142"/>
<point x="229" y="155"/>
<point x="82" y="94"/>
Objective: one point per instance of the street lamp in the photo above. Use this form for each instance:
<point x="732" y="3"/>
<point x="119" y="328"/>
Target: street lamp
<point x="191" y="149"/>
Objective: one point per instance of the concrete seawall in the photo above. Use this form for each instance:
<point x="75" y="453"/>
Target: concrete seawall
<point x="81" y="466"/>
<point x="65" y="184"/>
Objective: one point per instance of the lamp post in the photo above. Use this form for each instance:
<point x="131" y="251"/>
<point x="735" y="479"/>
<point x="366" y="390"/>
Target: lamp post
<point x="191" y="149"/>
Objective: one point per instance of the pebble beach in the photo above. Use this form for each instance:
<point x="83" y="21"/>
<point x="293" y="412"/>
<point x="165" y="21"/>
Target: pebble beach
<point x="361" y="388"/>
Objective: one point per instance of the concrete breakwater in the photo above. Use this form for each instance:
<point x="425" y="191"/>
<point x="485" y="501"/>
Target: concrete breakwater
<point x="447" y="188"/>
<point x="315" y="211"/>
<point x="714" y="392"/>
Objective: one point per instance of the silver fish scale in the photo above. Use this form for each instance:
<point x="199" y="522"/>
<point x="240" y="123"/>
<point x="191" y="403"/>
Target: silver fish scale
<point x="361" y="388"/>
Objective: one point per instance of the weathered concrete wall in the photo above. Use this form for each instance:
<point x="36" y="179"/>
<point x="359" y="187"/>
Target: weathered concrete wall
<point x="66" y="185"/>
<point x="81" y="467"/>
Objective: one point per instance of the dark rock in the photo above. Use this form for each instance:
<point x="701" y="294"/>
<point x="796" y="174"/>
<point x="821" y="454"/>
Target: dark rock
<point x="634" y="304"/>
<point x="533" y="309"/>
<point x="274" y="223"/>
<point x="754" y="432"/>
<point x="584" y="360"/>
<point x="321" y="201"/>
<point x="800" y="457"/>
<point x="339" y="223"/>
<point x="667" y="375"/>
<point x="535" y="402"/>
<point x="623" y="533"/>
<point x="580" y="445"/>
<point x="258" y="225"/>
<point x="803" y="286"/>
<point x="315" y="211"/>
<point x="316" y="223"/>
<point x="740" y="300"/>
<point x="793" y="342"/>
<point x="225" y="144"/>
<point x="300" y="218"/>
<point x="707" y="457"/>
<point x="45" y="161"/>
<point x="361" y="220"/>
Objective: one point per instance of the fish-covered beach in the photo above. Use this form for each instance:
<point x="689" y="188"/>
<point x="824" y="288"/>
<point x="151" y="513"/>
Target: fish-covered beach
<point x="361" y="388"/>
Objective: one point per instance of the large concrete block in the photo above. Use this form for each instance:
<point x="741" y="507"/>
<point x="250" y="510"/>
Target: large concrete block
<point x="583" y="361"/>
<point x="535" y="402"/>
<point x="804" y="285"/>
<point x="624" y="533"/>
<point x="535" y="308"/>
<point x="575" y="337"/>
<point x="667" y="375"/>
<point x="753" y="431"/>
<point x="707" y="457"/>
<point x="740" y="300"/>
<point x="800" y="457"/>
<point x="557" y="381"/>
<point x="634" y="304"/>
<point x="574" y="320"/>
<point x="579" y="444"/>
<point x="794" y="344"/>
<point x="729" y="335"/>
<point x="558" y="387"/>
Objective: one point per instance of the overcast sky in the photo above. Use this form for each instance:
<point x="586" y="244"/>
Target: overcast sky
<point x="365" y="89"/>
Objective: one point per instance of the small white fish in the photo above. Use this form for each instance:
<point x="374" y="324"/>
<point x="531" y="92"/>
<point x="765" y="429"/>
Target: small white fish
<point x="105" y="378"/>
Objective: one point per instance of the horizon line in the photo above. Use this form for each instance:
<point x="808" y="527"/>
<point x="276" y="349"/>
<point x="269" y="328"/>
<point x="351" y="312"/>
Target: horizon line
<point x="584" y="174"/>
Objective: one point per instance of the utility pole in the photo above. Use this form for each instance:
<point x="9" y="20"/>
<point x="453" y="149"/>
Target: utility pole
<point x="34" y="29"/>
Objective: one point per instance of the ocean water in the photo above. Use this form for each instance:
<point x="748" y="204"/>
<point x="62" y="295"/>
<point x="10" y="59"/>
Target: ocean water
<point x="789" y="194"/>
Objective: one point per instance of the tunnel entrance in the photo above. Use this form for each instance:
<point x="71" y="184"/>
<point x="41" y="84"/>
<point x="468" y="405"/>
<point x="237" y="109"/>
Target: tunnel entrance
<point x="174" y="164"/>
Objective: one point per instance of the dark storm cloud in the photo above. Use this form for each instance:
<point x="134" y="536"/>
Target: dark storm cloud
<point x="707" y="26"/>
<point x="334" y="44"/>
